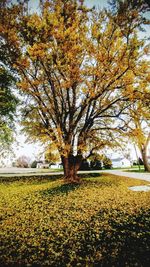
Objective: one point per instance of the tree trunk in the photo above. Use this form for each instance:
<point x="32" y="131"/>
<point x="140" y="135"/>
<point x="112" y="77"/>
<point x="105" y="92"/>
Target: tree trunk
<point x="144" y="155"/>
<point x="145" y="161"/>
<point x="71" y="166"/>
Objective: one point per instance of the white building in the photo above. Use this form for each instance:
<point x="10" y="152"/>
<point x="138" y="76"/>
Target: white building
<point x="56" y="166"/>
<point x="43" y="165"/>
<point x="120" y="162"/>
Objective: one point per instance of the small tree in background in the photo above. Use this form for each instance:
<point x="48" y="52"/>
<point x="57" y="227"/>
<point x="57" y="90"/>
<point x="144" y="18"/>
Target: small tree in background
<point x="107" y="163"/>
<point x="23" y="162"/>
<point x="8" y="103"/>
<point x="85" y="165"/>
<point x="95" y="162"/>
<point x="34" y="164"/>
<point x="51" y="157"/>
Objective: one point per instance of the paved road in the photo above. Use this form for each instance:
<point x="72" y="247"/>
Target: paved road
<point x="10" y="172"/>
<point x="29" y="171"/>
<point x="15" y="170"/>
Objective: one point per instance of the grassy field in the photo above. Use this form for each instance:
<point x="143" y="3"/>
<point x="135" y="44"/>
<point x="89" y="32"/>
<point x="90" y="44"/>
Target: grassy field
<point x="100" y="222"/>
<point x="132" y="168"/>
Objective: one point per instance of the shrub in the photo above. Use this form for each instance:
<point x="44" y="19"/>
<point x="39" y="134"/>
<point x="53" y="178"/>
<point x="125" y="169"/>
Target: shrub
<point x="96" y="165"/>
<point x="85" y="165"/>
<point x="34" y="164"/>
<point x="107" y="163"/>
<point x="23" y="162"/>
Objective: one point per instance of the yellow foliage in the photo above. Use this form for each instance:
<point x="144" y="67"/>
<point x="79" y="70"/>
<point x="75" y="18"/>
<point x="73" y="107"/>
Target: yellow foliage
<point x="37" y="50"/>
<point x="83" y="66"/>
<point x="34" y="21"/>
<point x="23" y="85"/>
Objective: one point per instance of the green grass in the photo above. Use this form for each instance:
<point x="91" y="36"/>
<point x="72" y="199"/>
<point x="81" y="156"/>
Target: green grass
<point x="141" y="171"/>
<point x="135" y="167"/>
<point x="132" y="169"/>
<point x="50" y="170"/>
<point x="100" y="222"/>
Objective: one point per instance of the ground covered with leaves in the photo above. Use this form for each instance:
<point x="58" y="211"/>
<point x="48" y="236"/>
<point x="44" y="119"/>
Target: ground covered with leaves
<point x="100" y="222"/>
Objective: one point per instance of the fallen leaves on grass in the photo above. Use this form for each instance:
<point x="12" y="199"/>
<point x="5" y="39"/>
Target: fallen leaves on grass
<point x="97" y="223"/>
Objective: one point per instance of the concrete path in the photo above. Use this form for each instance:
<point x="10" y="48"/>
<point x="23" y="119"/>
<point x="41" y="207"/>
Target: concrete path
<point x="10" y="172"/>
<point x="135" y="175"/>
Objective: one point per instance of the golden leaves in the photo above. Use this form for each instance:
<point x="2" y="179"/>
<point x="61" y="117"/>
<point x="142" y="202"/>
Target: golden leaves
<point x="129" y="77"/>
<point x="138" y="135"/>
<point x="23" y="62"/>
<point x="46" y="222"/>
<point x="148" y="77"/>
<point x="34" y="21"/>
<point x="37" y="50"/>
<point x="24" y="85"/>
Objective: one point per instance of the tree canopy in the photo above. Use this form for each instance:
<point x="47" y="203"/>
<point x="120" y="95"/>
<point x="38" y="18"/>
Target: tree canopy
<point x="81" y="71"/>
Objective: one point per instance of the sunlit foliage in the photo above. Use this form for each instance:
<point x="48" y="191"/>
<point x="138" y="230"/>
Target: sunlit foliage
<point x="80" y="69"/>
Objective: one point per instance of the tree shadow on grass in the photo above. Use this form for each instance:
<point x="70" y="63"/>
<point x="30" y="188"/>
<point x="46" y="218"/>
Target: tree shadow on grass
<point x="90" y="175"/>
<point x="63" y="189"/>
<point x="33" y="179"/>
<point x="127" y="243"/>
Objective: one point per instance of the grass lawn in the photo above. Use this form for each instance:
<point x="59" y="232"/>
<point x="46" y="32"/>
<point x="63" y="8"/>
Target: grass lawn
<point x="48" y="170"/>
<point x="139" y="171"/>
<point x="98" y="223"/>
<point x="132" y="169"/>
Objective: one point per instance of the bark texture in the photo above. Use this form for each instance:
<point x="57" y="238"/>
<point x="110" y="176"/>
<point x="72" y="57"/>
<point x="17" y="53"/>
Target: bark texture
<point x="71" y="165"/>
<point x="144" y="154"/>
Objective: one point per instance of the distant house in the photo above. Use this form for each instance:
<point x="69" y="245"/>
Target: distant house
<point x="42" y="165"/>
<point x="56" y="166"/>
<point x="120" y="162"/>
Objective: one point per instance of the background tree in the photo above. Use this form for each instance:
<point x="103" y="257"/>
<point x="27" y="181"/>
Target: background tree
<point x="85" y="165"/>
<point x="34" y="164"/>
<point x="79" y="69"/>
<point x="107" y="163"/>
<point x="126" y="10"/>
<point x="139" y="123"/>
<point x="95" y="162"/>
<point x="8" y="103"/>
<point x="139" y="130"/>
<point x="23" y="162"/>
<point x="52" y="157"/>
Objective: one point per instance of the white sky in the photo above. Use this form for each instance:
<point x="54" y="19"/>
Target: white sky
<point x="33" y="150"/>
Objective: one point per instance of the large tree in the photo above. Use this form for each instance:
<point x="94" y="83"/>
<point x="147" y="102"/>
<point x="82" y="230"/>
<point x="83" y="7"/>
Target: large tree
<point x="79" y="70"/>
